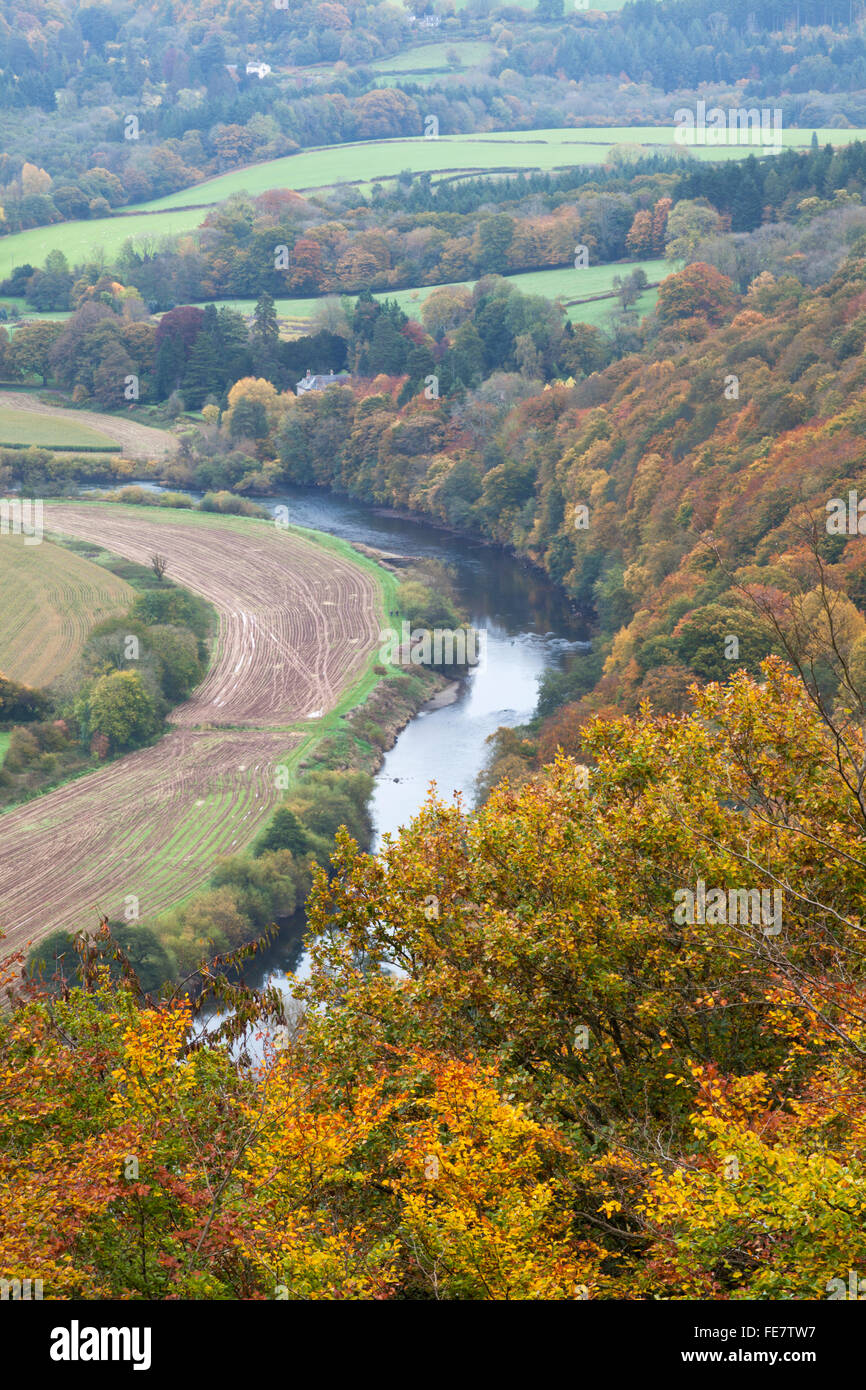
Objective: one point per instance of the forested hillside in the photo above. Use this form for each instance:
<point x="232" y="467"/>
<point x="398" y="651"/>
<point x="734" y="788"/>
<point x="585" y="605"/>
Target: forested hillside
<point x="109" y="106"/>
<point x="735" y="417"/>
<point x="570" y="1090"/>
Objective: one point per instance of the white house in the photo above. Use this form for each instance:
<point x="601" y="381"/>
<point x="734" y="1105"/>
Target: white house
<point x="260" y="69"/>
<point x="319" y="382"/>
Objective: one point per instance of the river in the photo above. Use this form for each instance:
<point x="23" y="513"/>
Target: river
<point x="530" y="627"/>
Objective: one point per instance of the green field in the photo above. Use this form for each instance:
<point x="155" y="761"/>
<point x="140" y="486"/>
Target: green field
<point x="51" y="599"/>
<point x="497" y="151"/>
<point x="49" y="432"/>
<point x="4" y="744"/>
<point x="575" y="288"/>
<point x="432" y="57"/>
<point x="21" y="307"/>
<point x="568" y="284"/>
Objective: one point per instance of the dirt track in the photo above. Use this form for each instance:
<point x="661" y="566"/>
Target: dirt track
<point x="296" y="625"/>
<point x="137" y="441"/>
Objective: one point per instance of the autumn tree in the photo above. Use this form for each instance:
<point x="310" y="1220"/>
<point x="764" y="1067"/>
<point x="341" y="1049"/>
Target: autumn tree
<point x="29" y="352"/>
<point x="698" y="291"/>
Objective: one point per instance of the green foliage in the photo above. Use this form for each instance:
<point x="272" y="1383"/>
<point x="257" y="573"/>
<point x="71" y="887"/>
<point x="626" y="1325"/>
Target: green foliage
<point x="284" y="831"/>
<point x="121" y="708"/>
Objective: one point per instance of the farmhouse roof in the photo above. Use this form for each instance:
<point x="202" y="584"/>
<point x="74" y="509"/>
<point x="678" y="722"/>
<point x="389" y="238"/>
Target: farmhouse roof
<point x="319" y="381"/>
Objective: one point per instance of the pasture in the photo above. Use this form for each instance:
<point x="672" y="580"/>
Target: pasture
<point x="574" y="287"/>
<point x="51" y="600"/>
<point x="26" y="427"/>
<point x="433" y="57"/>
<point x="324" y="167"/>
<point x="30" y="420"/>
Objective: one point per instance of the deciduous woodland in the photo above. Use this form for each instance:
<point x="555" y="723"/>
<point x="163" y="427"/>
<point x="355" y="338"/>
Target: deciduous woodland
<point x="597" y="1032"/>
<point x="554" y="1092"/>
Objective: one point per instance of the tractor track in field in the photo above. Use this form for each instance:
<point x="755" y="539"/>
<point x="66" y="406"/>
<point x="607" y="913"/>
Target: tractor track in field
<point x="296" y="624"/>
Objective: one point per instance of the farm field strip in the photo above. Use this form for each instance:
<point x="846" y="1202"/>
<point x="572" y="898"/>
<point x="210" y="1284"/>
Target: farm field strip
<point x="46" y="431"/>
<point x="288" y="609"/>
<point x="59" y="427"/>
<point x="115" y="833"/>
<point x="51" y="598"/>
<point x="329" y="165"/>
<point x="297" y="623"/>
<point x="576" y="288"/>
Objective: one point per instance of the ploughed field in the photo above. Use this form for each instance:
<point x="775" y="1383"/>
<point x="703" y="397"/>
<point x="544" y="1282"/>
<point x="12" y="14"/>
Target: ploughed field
<point x="297" y="621"/>
<point x="149" y="826"/>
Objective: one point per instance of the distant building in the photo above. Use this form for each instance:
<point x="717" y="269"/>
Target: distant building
<point x="260" y="69"/>
<point x="319" y="382"/>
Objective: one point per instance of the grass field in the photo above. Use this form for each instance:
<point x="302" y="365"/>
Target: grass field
<point x="330" y="165"/>
<point x="48" y="431"/>
<point x="432" y="57"/>
<point x="566" y="283"/>
<point x="32" y="420"/>
<point x="20" y="306"/>
<point x="51" y="600"/>
<point x="4" y="744"/>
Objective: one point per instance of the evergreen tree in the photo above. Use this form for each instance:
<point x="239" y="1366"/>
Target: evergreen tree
<point x="169" y="365"/>
<point x="235" y="345"/>
<point x="205" y="372"/>
<point x="388" y="349"/>
<point x="746" y="206"/>
<point x="284" y="832"/>
<point x="265" y="339"/>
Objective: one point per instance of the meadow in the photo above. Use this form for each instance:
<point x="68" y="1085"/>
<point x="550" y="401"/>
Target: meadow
<point x="21" y="308"/>
<point x="573" y="287"/>
<point x="327" y="166"/>
<point x="433" y="57"/>
<point x="24" y="427"/>
<point x="51" y="600"/>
